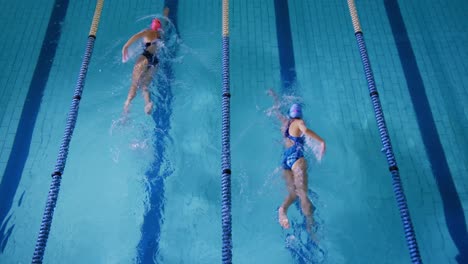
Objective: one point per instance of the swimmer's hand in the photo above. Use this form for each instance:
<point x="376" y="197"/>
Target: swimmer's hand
<point x="324" y="147"/>
<point x="124" y="54"/>
<point x="321" y="151"/>
<point x="271" y="93"/>
<point x="318" y="148"/>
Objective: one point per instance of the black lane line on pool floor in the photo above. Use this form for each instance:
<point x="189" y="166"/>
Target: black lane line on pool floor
<point x="21" y="144"/>
<point x="453" y="210"/>
<point x="285" y="47"/>
<point x="159" y="170"/>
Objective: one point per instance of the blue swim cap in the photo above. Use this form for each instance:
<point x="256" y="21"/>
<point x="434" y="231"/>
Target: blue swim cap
<point x="295" y="111"/>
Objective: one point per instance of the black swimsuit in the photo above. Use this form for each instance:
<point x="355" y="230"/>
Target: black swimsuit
<point x="152" y="58"/>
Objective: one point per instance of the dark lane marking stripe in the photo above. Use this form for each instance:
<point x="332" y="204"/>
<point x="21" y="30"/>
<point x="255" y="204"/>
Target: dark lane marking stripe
<point x="453" y="209"/>
<point x="22" y="141"/>
<point x="148" y="246"/>
<point x="285" y="47"/>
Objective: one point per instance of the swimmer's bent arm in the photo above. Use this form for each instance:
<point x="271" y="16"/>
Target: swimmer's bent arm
<point x="130" y="42"/>
<point x="309" y="132"/>
<point x="134" y="38"/>
<point x="313" y="135"/>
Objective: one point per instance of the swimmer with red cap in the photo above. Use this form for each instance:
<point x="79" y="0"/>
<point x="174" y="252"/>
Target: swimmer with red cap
<point x="147" y="62"/>
<point x="156" y="24"/>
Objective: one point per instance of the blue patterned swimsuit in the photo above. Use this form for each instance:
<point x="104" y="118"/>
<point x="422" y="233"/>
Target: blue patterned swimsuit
<point x="295" y="152"/>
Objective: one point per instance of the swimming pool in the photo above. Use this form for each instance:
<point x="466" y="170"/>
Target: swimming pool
<point x="116" y="171"/>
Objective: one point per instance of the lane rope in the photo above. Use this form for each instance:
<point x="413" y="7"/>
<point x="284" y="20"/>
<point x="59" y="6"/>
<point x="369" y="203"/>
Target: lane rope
<point x="226" y="148"/>
<point x="63" y="151"/>
<point x="387" y="149"/>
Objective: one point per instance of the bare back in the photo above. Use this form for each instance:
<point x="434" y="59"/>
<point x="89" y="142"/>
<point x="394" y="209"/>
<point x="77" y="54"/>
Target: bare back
<point x="294" y="130"/>
<point x="151" y="36"/>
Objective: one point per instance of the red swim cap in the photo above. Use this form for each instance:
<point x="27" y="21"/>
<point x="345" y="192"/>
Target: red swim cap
<point x="156" y="24"/>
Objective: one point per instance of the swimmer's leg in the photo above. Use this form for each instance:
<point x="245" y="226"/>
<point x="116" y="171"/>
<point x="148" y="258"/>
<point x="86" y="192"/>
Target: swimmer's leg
<point x="300" y="182"/>
<point x="138" y="69"/>
<point x="146" y="79"/>
<point x="282" y="211"/>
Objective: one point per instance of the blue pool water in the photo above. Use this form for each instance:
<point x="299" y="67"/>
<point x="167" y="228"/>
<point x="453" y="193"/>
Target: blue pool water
<point x="148" y="190"/>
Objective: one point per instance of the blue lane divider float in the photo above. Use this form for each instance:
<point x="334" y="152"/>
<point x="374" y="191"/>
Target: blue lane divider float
<point x="62" y="157"/>
<point x="388" y="151"/>
<point x="385" y="138"/>
<point x="226" y="217"/>
<point x="63" y="151"/>
<point x="61" y="160"/>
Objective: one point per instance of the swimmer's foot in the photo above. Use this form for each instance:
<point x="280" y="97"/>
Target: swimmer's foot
<point x="283" y="218"/>
<point x="312" y="229"/>
<point x="126" y="106"/>
<point x="309" y="224"/>
<point x="149" y="108"/>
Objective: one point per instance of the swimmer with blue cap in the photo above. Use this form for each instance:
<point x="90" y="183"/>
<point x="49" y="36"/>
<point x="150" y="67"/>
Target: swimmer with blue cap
<point x="295" y="111"/>
<point x="294" y="164"/>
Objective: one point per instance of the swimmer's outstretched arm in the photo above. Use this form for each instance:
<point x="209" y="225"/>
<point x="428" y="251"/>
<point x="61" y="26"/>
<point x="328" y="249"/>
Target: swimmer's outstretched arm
<point x="164" y="22"/>
<point x="276" y="106"/>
